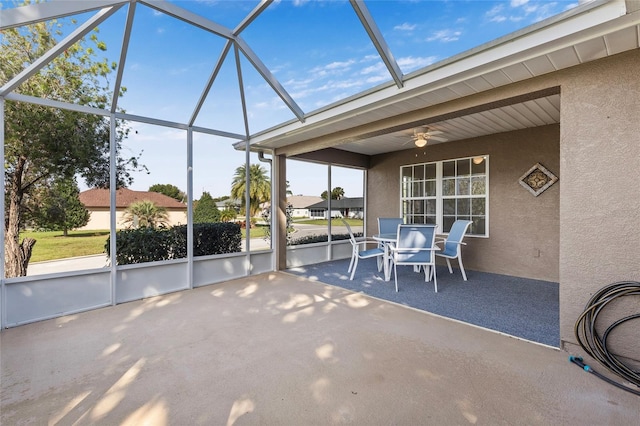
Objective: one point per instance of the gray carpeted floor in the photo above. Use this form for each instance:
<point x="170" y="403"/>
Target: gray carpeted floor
<point x="521" y="307"/>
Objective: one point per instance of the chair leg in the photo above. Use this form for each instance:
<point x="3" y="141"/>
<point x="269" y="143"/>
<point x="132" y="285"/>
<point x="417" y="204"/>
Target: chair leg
<point x="449" y="265"/>
<point x="435" y="280"/>
<point x="355" y="266"/>
<point x="464" y="275"/>
<point x="395" y="275"/>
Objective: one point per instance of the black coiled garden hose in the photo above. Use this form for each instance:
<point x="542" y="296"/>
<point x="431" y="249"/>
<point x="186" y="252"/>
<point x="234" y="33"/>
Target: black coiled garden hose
<point x="596" y="345"/>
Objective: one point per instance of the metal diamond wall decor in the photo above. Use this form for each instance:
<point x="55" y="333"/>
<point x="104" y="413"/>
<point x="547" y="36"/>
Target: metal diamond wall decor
<point x="537" y="179"/>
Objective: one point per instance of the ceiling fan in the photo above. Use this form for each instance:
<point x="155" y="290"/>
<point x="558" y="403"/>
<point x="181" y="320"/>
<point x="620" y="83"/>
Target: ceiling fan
<point x="422" y="135"/>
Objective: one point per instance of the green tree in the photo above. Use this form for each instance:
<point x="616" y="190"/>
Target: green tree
<point x="337" y="193"/>
<point x="145" y="214"/>
<point x="169" y="190"/>
<point x="259" y="187"/>
<point x="206" y="210"/>
<point x="61" y="208"/>
<point x="41" y="142"/>
<point x="227" y="215"/>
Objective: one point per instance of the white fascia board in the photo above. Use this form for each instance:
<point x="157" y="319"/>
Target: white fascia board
<point x="585" y="22"/>
<point x="37" y="12"/>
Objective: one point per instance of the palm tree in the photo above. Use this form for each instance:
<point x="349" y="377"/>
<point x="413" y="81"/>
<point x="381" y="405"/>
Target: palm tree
<point x="337" y="193"/>
<point x="145" y="213"/>
<point x="227" y="215"/>
<point x="259" y="187"/>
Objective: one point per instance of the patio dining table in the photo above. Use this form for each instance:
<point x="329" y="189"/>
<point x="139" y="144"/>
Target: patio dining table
<point x="387" y="241"/>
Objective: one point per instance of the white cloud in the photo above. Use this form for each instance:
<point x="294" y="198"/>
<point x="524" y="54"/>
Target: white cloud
<point x="339" y="65"/>
<point x="405" y="27"/>
<point x="373" y="69"/>
<point x="518" y="3"/>
<point x="496" y="10"/>
<point x="411" y="63"/>
<point x="495" y="14"/>
<point x="445" y="36"/>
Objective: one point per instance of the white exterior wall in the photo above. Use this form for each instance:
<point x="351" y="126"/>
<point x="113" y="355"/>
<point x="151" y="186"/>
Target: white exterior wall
<point x="301" y="213"/>
<point x="100" y="220"/>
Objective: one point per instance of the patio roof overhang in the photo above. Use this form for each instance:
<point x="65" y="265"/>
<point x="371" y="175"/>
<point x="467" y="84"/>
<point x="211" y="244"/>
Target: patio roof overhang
<point x="377" y="121"/>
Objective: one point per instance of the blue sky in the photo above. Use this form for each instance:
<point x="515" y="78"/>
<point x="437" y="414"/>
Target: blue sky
<point x="318" y="51"/>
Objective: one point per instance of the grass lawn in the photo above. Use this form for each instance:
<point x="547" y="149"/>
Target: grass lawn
<point x="257" y="232"/>
<point x="52" y="245"/>
<point x="334" y="222"/>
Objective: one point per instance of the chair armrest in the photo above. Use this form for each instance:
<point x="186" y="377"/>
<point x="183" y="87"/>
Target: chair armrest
<point x="455" y="242"/>
<point x="407" y="249"/>
<point x="364" y="242"/>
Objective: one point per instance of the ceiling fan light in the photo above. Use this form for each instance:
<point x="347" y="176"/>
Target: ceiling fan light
<point x="420" y="142"/>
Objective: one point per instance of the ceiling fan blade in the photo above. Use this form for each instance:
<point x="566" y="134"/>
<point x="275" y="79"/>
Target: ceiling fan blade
<point x="438" y="138"/>
<point x="434" y="132"/>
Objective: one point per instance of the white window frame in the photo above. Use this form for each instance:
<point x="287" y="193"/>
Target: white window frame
<point x="439" y="197"/>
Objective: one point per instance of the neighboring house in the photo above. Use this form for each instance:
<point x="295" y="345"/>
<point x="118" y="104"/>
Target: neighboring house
<point x="222" y="205"/>
<point x="97" y="202"/>
<point x="301" y="204"/>
<point x="344" y="207"/>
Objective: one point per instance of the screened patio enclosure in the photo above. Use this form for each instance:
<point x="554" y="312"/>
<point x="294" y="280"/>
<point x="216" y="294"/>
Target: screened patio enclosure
<point x="517" y="99"/>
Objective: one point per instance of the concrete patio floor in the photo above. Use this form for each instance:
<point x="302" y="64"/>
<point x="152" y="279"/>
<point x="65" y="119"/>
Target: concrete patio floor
<point x="282" y="350"/>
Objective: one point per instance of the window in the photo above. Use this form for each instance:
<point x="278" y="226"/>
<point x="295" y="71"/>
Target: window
<point x="444" y="191"/>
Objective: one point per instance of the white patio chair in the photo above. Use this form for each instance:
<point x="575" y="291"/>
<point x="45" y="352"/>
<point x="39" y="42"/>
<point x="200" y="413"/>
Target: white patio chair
<point x="453" y="243"/>
<point x="387" y="225"/>
<point x="415" y="246"/>
<point x="360" y="251"/>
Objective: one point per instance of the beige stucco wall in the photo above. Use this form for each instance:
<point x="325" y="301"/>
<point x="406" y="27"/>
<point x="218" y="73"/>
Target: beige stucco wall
<point x="600" y="191"/>
<point x="586" y="225"/>
<point x="100" y="219"/>
<point x="523" y="229"/>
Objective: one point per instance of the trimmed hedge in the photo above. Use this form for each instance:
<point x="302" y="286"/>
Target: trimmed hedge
<point x="309" y="239"/>
<point x="149" y="244"/>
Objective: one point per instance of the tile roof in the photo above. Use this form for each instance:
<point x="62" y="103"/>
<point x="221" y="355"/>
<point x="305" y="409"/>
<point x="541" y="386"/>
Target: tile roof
<point x="303" y="201"/>
<point x="99" y="198"/>
<point x="343" y="203"/>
